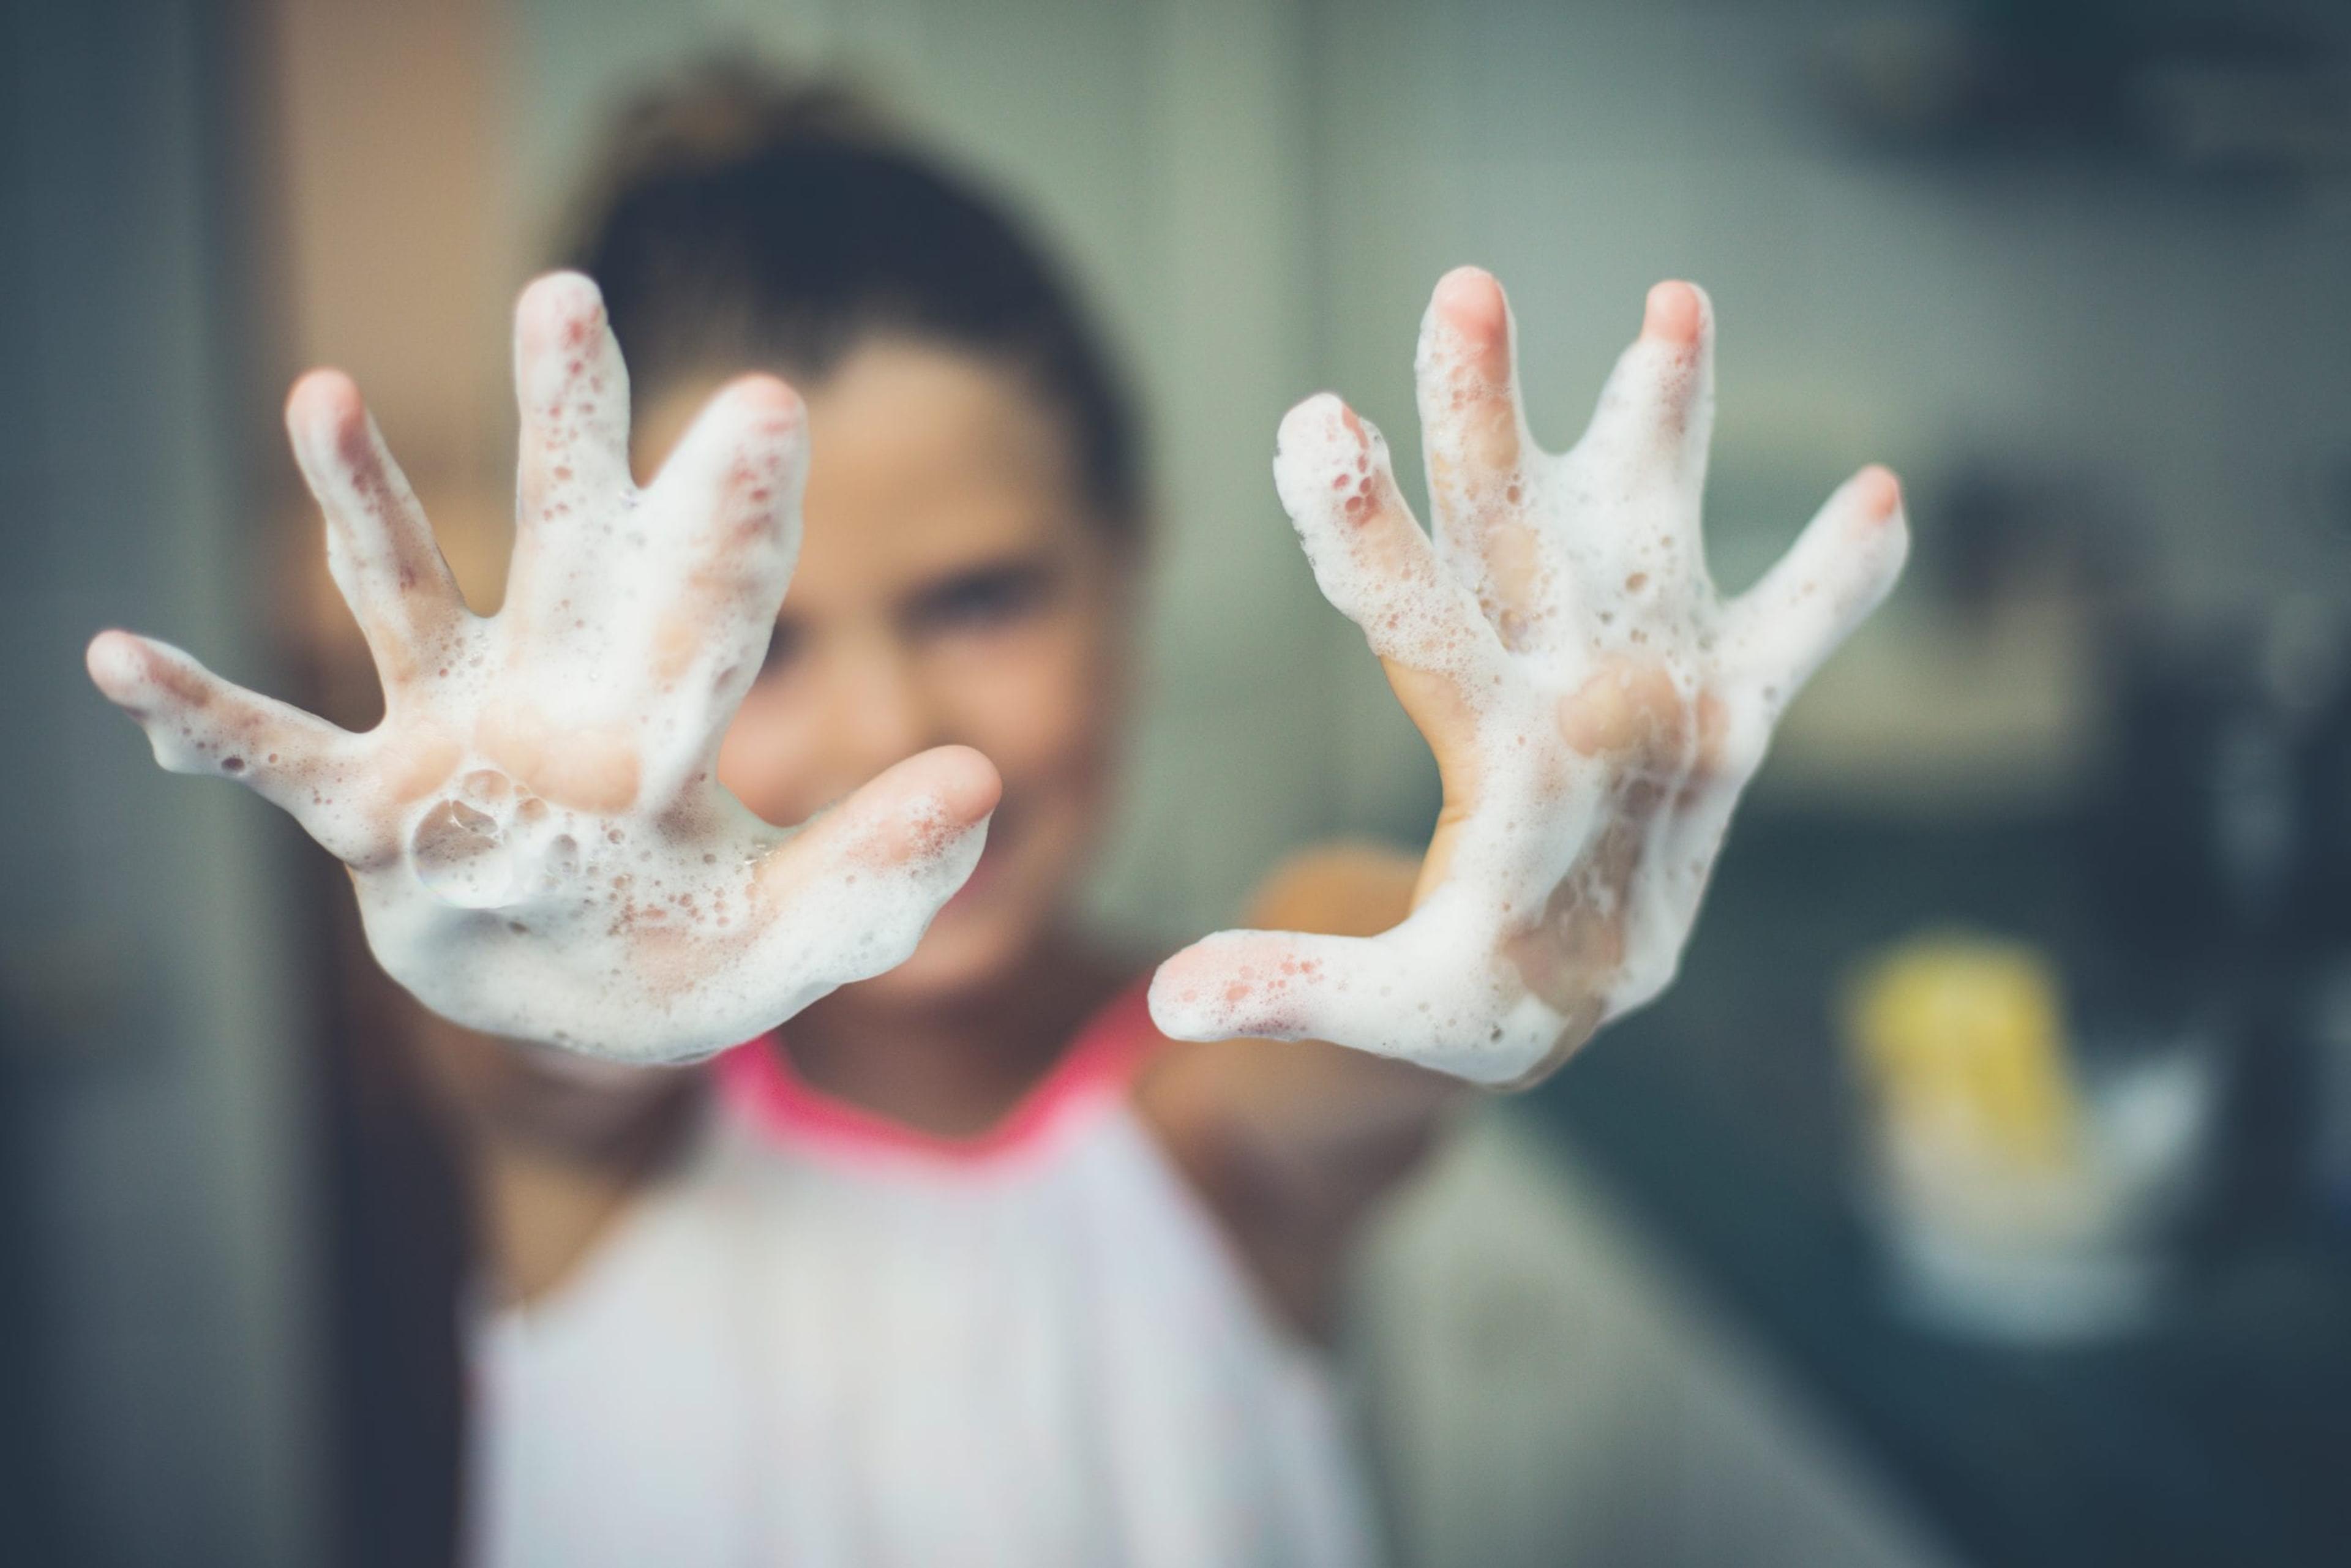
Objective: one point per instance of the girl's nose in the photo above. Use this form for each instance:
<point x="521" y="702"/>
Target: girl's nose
<point x="879" y="711"/>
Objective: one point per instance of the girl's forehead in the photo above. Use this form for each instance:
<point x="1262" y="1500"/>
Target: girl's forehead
<point x="897" y="411"/>
<point x="897" y="420"/>
<point x="923" y="460"/>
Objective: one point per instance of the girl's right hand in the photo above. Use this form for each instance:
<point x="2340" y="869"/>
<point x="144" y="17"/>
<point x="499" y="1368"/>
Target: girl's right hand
<point x="536" y="831"/>
<point x="1593" y="705"/>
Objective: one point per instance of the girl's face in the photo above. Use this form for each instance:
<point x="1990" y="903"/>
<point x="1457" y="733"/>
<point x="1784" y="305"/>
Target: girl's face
<point x="951" y="588"/>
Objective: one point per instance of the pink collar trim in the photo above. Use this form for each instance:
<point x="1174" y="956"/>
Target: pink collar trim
<point x="759" y="1079"/>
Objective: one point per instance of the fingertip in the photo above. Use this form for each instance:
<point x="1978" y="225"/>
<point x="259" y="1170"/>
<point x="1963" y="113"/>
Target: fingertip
<point x="932" y="805"/>
<point x="116" y="661"/>
<point x="1309" y="419"/>
<point x="559" y="308"/>
<point x="1470" y="300"/>
<point x="768" y="399"/>
<point x="1675" y="313"/>
<point x="967" y="784"/>
<point x="1891" y="526"/>
<point x="1169" y="1017"/>
<point x="1323" y="420"/>
<point x="1181" y="994"/>
<point x="321" y="406"/>
<point x="1878" y="491"/>
<point x="563" y="287"/>
<point x="1233" y="985"/>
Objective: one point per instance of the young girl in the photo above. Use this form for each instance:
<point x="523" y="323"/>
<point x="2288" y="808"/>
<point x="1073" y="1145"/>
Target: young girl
<point x="967" y="1263"/>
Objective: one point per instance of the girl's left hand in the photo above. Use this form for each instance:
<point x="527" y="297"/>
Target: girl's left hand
<point x="1593" y="705"/>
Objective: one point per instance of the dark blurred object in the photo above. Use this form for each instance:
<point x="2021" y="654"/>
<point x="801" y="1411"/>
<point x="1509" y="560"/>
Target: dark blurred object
<point x="2202" y="812"/>
<point x="2002" y="530"/>
<point x="2194" y="87"/>
<point x="2329" y="1023"/>
<point x="2222" y="859"/>
<point x="2326" y="914"/>
<point x="2323" y="905"/>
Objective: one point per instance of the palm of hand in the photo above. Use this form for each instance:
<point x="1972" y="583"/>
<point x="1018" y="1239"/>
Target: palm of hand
<point x="1594" y="705"/>
<point x="536" y="832"/>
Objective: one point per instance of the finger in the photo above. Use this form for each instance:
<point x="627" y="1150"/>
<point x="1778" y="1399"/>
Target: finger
<point x="731" y="492"/>
<point x="1656" y="415"/>
<point x="852" y="894"/>
<point x="931" y="809"/>
<point x="1268" y="985"/>
<point x="379" y="548"/>
<point x="1422" y="992"/>
<point x="198" y="723"/>
<point x="573" y="391"/>
<point x="1838" y="570"/>
<point x="1370" y="558"/>
<point x="1474" y="436"/>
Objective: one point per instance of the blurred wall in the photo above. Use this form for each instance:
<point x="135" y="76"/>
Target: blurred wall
<point x="156" y="1349"/>
<point x="1261" y="196"/>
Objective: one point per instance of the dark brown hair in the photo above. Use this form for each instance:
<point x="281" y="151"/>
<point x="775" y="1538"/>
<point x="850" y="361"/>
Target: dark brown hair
<point x="739" y="223"/>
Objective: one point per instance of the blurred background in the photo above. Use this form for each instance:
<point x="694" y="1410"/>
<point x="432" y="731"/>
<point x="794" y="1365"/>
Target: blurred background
<point x="1983" y="1192"/>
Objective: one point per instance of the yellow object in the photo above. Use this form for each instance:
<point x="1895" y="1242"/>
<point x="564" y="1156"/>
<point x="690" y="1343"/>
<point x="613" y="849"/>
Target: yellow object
<point x="1964" y="1039"/>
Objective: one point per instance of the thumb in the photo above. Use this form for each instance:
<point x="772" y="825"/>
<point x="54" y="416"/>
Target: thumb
<point x="1418" y="992"/>
<point x="931" y="808"/>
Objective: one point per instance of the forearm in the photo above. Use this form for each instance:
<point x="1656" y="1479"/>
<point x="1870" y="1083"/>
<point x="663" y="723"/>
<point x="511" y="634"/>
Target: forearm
<point x="1292" y="1144"/>
<point x="553" y="1145"/>
<point x="1292" y="1141"/>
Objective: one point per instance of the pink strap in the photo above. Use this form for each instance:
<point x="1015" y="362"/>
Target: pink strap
<point x="757" y="1079"/>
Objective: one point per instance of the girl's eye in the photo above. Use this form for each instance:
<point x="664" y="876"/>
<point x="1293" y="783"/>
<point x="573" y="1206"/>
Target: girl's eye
<point x="982" y="601"/>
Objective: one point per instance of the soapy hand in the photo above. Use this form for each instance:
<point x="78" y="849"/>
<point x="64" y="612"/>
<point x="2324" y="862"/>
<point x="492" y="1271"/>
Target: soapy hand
<point x="1593" y="705"/>
<point x="536" y="832"/>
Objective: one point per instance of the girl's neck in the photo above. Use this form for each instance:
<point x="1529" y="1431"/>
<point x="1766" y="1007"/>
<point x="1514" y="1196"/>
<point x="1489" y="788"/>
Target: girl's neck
<point x="953" y="1068"/>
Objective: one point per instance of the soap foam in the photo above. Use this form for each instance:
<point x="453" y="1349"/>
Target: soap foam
<point x="538" y="841"/>
<point x="1619" y="704"/>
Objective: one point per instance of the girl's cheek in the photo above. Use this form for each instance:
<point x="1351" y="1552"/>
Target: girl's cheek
<point x="1033" y="703"/>
<point x="762" y="762"/>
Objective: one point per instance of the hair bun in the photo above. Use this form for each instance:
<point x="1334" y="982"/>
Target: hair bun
<point x="714" y="112"/>
<point x="737" y="219"/>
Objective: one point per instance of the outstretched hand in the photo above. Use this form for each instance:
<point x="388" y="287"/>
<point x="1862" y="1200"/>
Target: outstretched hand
<point x="536" y="832"/>
<point x="1593" y="705"/>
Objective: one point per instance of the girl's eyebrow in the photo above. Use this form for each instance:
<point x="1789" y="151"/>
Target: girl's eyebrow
<point x="1028" y="570"/>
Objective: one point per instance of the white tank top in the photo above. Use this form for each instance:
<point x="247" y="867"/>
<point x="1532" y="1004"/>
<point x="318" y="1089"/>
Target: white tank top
<point x="829" y="1340"/>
